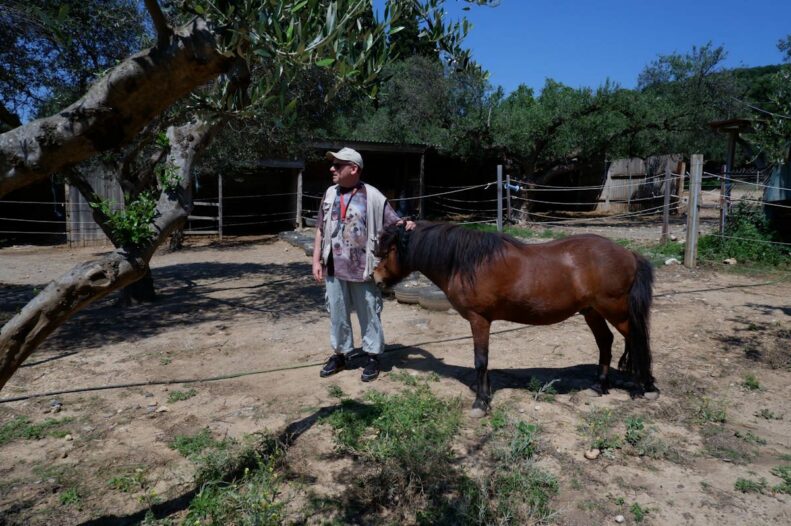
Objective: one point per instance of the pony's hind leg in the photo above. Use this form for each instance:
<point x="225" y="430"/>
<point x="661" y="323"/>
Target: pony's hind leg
<point x="480" y="337"/>
<point x="604" y="339"/>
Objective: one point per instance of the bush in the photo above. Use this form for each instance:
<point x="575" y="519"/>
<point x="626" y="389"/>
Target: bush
<point x="748" y="237"/>
<point x="131" y="226"/>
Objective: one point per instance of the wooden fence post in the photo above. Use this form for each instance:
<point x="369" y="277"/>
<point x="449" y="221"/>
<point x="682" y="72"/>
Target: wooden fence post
<point x="421" y="211"/>
<point x="499" y="197"/>
<point x="508" y="197"/>
<point x="298" y="221"/>
<point x="219" y="205"/>
<point x="666" y="206"/>
<point x="695" y="175"/>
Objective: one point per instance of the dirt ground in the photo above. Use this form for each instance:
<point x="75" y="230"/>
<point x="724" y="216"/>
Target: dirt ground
<point x="251" y="306"/>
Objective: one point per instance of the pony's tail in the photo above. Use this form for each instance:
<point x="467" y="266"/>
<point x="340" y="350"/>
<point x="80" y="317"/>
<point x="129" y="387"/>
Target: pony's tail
<point x="637" y="356"/>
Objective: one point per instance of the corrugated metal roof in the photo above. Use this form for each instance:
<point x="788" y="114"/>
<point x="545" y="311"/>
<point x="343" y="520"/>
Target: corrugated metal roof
<point x="371" y="146"/>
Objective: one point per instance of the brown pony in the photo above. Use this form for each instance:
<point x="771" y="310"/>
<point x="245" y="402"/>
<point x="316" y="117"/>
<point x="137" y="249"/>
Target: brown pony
<point x="489" y="277"/>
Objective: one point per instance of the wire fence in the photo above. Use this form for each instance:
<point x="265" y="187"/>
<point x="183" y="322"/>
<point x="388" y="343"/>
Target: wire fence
<point x="465" y="204"/>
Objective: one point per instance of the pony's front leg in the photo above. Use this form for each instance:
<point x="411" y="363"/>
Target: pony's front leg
<point x="480" y="337"/>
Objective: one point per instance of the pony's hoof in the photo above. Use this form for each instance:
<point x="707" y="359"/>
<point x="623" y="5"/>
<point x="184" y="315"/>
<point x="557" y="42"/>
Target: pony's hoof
<point x="477" y="412"/>
<point x="651" y="395"/>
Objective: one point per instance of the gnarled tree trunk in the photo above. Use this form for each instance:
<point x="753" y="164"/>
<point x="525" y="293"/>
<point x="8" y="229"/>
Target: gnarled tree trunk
<point x="91" y="281"/>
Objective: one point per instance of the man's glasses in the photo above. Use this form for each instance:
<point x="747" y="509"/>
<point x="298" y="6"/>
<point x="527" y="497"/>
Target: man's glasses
<point x="338" y="166"/>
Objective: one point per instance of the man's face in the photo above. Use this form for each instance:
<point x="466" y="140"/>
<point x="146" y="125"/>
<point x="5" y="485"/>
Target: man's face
<point x="344" y="173"/>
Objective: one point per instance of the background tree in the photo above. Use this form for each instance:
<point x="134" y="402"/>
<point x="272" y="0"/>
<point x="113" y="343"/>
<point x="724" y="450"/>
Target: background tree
<point x="773" y="113"/>
<point x="51" y="50"/>
<point x="691" y="90"/>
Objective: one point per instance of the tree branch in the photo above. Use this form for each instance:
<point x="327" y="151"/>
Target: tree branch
<point x="113" y="110"/>
<point x="160" y="23"/>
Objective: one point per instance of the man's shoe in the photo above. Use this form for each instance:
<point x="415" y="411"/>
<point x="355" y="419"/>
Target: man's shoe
<point x="337" y="362"/>
<point x="371" y="370"/>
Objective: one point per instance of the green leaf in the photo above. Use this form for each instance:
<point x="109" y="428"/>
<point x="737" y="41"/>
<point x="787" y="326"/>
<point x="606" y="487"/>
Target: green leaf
<point x="325" y="62"/>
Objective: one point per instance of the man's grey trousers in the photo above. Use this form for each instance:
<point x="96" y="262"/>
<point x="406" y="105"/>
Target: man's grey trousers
<point x="343" y="297"/>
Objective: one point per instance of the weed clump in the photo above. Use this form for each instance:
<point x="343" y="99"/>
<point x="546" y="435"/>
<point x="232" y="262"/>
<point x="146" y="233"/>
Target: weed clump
<point x="597" y="426"/>
<point x="403" y="443"/>
<point x="21" y="427"/>
<point x="748" y="237"/>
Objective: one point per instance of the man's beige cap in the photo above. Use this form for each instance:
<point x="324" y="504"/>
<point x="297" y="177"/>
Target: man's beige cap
<point x="348" y="155"/>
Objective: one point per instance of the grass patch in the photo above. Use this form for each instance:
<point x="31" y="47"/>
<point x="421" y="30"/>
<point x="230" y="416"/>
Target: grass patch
<point x="130" y="481"/>
<point x="597" y="426"/>
<point x="710" y="411"/>
<point x="521" y="495"/>
<point x="191" y="445"/>
<point x="21" y="427"/>
<point x="515" y="491"/>
<point x="542" y="392"/>
<point x="720" y="443"/>
<point x="750" y="438"/>
<point x="403" y="442"/>
<point x="638" y="512"/>
<point x="783" y="473"/>
<point x="749" y="240"/>
<point x="335" y="391"/>
<point x="523" y="444"/>
<point x="179" y="396"/>
<point x="498" y="419"/>
<point x="751" y="383"/>
<point x="657" y="253"/>
<point x="70" y="497"/>
<point x="404" y="377"/>
<point x="412" y="427"/>
<point x="768" y="415"/>
<point x="252" y="499"/>
<point x="750" y="486"/>
<point x="406" y="466"/>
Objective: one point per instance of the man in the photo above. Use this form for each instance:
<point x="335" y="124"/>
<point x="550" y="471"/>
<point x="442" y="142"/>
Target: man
<point x="351" y="216"/>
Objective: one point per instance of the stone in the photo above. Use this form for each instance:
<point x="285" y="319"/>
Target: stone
<point x="477" y="413"/>
<point x="729" y="261"/>
<point x="592" y="454"/>
<point x="619" y="519"/>
<point x="68" y="438"/>
<point x="672" y="261"/>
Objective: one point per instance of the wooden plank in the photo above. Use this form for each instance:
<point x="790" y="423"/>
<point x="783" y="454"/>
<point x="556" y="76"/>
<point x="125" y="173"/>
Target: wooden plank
<point x="208" y="218"/>
<point x="695" y="176"/>
<point x="666" y="206"/>
<point x="201" y="232"/>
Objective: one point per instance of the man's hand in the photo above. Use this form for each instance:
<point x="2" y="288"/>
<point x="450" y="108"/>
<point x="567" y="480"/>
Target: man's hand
<point x="318" y="271"/>
<point x="409" y="225"/>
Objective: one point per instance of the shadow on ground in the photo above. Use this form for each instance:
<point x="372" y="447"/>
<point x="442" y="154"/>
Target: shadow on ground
<point x="188" y="294"/>
<point x="569" y="379"/>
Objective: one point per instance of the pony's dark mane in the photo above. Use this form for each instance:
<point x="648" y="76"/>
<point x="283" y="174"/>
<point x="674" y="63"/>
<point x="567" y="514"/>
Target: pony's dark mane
<point x="446" y="248"/>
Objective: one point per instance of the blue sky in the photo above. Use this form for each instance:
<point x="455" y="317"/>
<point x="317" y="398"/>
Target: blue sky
<point x="584" y="42"/>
